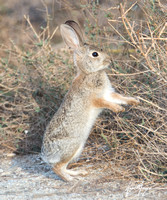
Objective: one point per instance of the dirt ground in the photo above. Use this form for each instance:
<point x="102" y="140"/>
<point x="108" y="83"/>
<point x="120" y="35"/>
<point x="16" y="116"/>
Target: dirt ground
<point x="28" y="177"/>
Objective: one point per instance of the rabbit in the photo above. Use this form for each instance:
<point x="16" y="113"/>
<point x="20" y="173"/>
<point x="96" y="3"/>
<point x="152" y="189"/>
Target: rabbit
<point x="90" y="93"/>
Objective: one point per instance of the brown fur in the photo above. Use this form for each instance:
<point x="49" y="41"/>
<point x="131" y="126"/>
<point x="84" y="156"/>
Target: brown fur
<point x="101" y="103"/>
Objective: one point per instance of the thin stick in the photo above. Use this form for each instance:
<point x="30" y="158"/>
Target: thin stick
<point x="28" y="20"/>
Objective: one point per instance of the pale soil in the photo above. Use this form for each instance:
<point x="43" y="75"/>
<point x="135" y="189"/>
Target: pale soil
<point x="27" y="177"/>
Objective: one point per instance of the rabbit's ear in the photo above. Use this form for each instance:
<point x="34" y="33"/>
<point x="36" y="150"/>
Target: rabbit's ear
<point x="69" y="36"/>
<point x="77" y="29"/>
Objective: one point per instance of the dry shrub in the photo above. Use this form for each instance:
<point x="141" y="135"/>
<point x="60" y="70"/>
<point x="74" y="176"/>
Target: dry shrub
<point x="35" y="78"/>
<point x="136" y="140"/>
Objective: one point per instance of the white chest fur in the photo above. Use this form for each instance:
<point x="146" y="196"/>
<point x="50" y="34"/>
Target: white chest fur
<point x="91" y="118"/>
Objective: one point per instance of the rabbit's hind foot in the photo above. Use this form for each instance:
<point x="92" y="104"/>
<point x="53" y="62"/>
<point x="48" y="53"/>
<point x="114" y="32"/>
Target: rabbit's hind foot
<point x="67" y="174"/>
<point x="61" y="172"/>
<point x="76" y="173"/>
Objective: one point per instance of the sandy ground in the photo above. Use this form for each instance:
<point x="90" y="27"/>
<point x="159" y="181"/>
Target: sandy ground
<point x="28" y="177"/>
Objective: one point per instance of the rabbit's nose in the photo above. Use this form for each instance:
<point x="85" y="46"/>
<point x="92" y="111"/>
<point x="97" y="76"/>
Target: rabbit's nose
<point x="108" y="59"/>
<point x="107" y="62"/>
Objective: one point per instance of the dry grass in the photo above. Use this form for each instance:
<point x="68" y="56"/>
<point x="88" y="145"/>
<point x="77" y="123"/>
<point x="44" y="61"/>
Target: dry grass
<point x="34" y="79"/>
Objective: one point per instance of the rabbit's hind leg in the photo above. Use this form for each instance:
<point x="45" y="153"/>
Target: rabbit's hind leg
<point x="61" y="171"/>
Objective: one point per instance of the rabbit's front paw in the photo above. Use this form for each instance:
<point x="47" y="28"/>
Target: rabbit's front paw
<point x="133" y="101"/>
<point x="118" y="108"/>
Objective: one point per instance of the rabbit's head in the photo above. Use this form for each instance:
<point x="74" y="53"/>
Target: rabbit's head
<point x="86" y="57"/>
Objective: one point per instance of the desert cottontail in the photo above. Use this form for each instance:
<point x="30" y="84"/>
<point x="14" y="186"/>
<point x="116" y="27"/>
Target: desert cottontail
<point x="90" y="93"/>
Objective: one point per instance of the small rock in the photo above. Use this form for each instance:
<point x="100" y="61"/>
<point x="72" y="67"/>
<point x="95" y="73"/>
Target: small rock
<point x="10" y="154"/>
<point x="6" y="174"/>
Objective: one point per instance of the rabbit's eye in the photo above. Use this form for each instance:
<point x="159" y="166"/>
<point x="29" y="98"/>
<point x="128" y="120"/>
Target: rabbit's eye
<point x="95" y="54"/>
